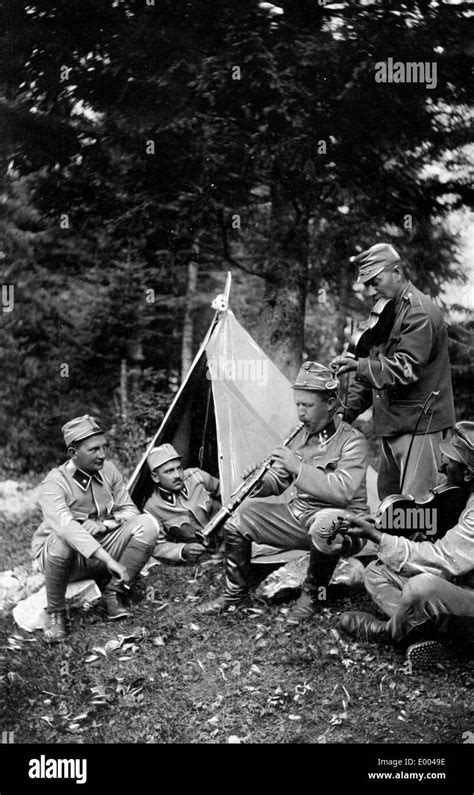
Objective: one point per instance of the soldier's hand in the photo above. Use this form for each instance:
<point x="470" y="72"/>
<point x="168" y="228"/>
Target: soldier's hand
<point x="249" y="471"/>
<point x="287" y="459"/>
<point x="344" y="363"/>
<point x="356" y="527"/>
<point x="93" y="527"/>
<point x="193" y="551"/>
<point x="118" y="571"/>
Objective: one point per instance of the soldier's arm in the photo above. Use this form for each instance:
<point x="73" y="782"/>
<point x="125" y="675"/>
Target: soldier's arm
<point x="274" y="482"/>
<point x="405" y="364"/>
<point x="124" y="507"/>
<point x="164" y="548"/>
<point x="337" y="486"/>
<point x="211" y="484"/>
<point x="358" y="400"/>
<point x="451" y="556"/>
<point x="58" y="518"/>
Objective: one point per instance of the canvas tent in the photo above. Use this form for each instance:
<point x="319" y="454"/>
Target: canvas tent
<point x="232" y="409"/>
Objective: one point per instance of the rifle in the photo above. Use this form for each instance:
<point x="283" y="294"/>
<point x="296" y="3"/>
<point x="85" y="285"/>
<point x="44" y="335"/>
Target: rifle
<point x="242" y="491"/>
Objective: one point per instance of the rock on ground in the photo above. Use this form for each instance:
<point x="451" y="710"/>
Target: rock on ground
<point x="17" y="498"/>
<point x="30" y="613"/>
<point x="349" y="571"/>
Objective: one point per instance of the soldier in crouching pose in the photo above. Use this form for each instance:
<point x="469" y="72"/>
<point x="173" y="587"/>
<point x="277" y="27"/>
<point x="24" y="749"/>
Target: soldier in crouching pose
<point x="326" y="467"/>
<point x="425" y="589"/>
<point x="90" y="526"/>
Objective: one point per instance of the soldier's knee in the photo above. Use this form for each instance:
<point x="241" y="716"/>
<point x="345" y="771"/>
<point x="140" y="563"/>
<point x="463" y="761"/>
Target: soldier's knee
<point x="373" y="576"/>
<point x="147" y="530"/>
<point x="420" y="588"/>
<point x="59" y="548"/>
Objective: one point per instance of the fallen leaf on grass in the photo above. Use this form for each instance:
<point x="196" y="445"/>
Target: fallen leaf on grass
<point x="112" y="645"/>
<point x="194" y="627"/>
<point x="233" y="740"/>
<point x="213" y="720"/>
<point x="158" y="641"/>
<point x="91" y="658"/>
<point x="294" y="717"/>
<point x="347" y="663"/>
<point x="130" y="647"/>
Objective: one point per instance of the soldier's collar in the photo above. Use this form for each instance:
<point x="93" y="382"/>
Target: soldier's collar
<point x="170" y="496"/>
<point x="404" y="295"/>
<point x="83" y="479"/>
<point x="327" y="433"/>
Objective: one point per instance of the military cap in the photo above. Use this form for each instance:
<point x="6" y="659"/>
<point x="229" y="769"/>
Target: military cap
<point x="461" y="444"/>
<point x="315" y="377"/>
<point x="80" y="428"/>
<point x="374" y="260"/>
<point x="161" y="455"/>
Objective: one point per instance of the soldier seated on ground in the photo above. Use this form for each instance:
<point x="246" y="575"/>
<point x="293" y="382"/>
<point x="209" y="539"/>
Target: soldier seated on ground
<point x="181" y="505"/>
<point x="425" y="589"/>
<point x="326" y="467"/>
<point x="90" y="526"/>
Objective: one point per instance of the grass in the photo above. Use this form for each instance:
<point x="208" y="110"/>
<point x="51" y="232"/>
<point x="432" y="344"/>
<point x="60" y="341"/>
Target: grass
<point x="185" y="678"/>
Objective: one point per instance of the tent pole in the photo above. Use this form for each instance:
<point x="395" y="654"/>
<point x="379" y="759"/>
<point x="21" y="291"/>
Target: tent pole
<point x="202" y="349"/>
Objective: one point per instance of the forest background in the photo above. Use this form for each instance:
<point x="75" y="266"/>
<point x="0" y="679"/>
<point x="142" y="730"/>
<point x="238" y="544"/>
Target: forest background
<point x="149" y="147"/>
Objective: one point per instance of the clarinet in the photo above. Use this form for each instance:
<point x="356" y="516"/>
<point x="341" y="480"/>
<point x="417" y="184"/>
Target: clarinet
<point x="242" y="491"/>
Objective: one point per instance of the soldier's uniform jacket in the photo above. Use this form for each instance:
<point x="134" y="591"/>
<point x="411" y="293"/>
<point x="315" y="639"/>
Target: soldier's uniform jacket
<point x="451" y="557"/>
<point x="193" y="505"/>
<point x="332" y="472"/>
<point x="399" y="375"/>
<point x="68" y="496"/>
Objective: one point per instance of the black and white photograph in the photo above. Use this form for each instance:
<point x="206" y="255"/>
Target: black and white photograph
<point x="236" y="390"/>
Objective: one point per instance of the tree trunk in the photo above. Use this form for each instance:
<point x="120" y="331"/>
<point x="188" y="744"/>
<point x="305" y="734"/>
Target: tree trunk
<point x="282" y="335"/>
<point x="123" y="391"/>
<point x="187" y="350"/>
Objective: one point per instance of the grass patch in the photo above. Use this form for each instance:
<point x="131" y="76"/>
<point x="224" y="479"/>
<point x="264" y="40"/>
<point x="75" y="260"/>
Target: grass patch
<point x="184" y="678"/>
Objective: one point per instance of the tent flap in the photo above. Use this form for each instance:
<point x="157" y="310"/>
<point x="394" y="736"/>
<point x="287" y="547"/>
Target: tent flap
<point x="253" y="401"/>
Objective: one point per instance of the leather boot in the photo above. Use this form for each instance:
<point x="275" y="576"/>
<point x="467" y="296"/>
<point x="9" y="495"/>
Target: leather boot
<point x="237" y="574"/>
<point x="134" y="557"/>
<point x="428" y="654"/>
<point x="55" y="631"/>
<point x="320" y="571"/>
<point x="363" y="626"/>
<point x="113" y="606"/>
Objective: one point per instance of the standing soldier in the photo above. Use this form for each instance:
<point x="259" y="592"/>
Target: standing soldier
<point x="90" y="526"/>
<point x="399" y="376"/>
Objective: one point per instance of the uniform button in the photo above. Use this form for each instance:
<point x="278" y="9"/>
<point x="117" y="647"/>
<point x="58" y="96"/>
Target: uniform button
<point x="377" y="396"/>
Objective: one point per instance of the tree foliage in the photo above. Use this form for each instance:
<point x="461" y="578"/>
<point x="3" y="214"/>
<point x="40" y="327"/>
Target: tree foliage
<point x="138" y="138"/>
